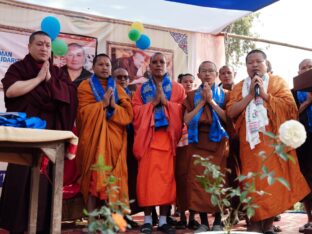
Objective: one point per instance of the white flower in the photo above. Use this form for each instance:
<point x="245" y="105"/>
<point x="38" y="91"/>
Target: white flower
<point x="292" y="133"/>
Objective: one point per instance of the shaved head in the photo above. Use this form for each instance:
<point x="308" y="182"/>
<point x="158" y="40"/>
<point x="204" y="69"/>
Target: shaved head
<point x="119" y="70"/>
<point x="305" y="65"/>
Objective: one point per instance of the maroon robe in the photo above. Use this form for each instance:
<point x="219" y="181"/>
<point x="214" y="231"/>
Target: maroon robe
<point x="54" y="101"/>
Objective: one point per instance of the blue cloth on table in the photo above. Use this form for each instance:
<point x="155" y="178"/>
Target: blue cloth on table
<point x="20" y="120"/>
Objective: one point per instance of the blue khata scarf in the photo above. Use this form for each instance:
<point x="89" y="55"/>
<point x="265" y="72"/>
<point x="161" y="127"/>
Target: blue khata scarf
<point x="216" y="132"/>
<point x="20" y="120"/>
<point x="98" y="92"/>
<point x="128" y="92"/>
<point x="148" y="93"/>
<point x="302" y="96"/>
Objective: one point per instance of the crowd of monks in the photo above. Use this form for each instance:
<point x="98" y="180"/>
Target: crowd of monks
<point x="149" y="133"/>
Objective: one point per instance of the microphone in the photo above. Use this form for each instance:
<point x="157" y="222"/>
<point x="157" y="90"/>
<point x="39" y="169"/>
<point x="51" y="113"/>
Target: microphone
<point x="257" y="88"/>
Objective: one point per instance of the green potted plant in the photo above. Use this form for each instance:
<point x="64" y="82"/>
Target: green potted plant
<point x="291" y="134"/>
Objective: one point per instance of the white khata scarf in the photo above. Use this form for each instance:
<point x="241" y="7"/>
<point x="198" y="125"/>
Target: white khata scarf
<point x="256" y="114"/>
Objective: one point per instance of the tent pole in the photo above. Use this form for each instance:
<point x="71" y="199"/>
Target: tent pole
<point x="264" y="41"/>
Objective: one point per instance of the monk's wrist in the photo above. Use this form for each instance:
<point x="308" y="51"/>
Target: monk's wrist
<point x="249" y="97"/>
<point x="266" y="97"/>
<point x="155" y="103"/>
<point x="105" y="105"/>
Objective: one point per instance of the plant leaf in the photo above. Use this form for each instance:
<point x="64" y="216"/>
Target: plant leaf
<point x="269" y="134"/>
<point x="271" y="179"/>
<point x="250" y="212"/>
<point x="214" y="200"/>
<point x="283" y="182"/>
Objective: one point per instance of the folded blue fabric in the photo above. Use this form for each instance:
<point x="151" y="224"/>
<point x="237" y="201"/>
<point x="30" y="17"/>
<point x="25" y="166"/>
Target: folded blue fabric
<point x="20" y="120"/>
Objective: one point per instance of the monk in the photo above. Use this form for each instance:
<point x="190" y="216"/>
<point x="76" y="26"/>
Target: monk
<point x="122" y="78"/>
<point x="187" y="81"/>
<point x="33" y="85"/>
<point x="303" y="101"/>
<point x="205" y="118"/>
<point x="104" y="111"/>
<point x="227" y="76"/>
<point x="157" y="106"/>
<point x="273" y="106"/>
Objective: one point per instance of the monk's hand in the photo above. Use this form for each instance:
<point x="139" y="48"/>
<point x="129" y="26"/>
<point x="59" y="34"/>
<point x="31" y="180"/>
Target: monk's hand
<point x="253" y="83"/>
<point x="262" y="92"/>
<point x="48" y="74"/>
<point x="202" y="101"/>
<point x="205" y="92"/>
<point x="209" y="94"/>
<point x="112" y="99"/>
<point x="156" y="100"/>
<point x="163" y="98"/>
<point x="43" y="72"/>
<point x="106" y="98"/>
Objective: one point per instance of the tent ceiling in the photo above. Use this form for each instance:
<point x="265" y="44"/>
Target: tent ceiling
<point x="208" y="16"/>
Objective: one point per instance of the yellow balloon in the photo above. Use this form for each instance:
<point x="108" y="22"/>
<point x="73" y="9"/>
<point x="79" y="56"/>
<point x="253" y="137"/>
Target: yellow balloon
<point x="138" y="26"/>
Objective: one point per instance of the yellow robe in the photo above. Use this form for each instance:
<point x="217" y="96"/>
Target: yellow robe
<point x="281" y="107"/>
<point x="101" y="137"/>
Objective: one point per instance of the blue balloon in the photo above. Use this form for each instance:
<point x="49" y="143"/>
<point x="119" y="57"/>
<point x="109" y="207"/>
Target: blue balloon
<point x="144" y="42"/>
<point x="51" y="26"/>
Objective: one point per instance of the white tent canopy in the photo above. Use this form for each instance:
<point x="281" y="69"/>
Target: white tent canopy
<point x="207" y="16"/>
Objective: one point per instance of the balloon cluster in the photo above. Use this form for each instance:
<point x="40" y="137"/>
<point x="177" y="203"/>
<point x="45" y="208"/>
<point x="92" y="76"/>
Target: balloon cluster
<point x="142" y="41"/>
<point x="52" y="27"/>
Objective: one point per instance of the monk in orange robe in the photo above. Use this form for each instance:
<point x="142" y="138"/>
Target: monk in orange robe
<point x="157" y="106"/>
<point x="103" y="113"/>
<point x="272" y="105"/>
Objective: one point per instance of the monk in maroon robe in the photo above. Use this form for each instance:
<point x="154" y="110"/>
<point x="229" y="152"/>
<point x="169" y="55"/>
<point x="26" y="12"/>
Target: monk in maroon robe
<point x="33" y="85"/>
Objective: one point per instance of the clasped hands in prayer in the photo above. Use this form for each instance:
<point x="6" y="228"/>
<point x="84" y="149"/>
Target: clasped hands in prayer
<point x="44" y="73"/>
<point x="160" y="97"/>
<point x="206" y="94"/>
<point x="108" y="99"/>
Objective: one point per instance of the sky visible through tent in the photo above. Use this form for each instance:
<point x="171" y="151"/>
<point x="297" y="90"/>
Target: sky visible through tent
<point x="286" y="21"/>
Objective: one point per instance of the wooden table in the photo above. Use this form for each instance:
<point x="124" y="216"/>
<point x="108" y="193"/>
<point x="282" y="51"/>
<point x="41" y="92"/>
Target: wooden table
<point x="26" y="147"/>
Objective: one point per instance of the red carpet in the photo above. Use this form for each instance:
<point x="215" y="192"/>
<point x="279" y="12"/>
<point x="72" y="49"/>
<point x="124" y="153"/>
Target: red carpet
<point x="289" y="224"/>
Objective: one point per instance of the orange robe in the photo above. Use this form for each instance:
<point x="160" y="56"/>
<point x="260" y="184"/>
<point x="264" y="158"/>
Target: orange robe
<point x="101" y="137"/>
<point x="281" y="107"/>
<point x="155" y="150"/>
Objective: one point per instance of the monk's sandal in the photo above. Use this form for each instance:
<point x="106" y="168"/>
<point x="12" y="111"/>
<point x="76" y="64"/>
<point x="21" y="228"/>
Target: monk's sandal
<point x="166" y="228"/>
<point x="146" y="228"/>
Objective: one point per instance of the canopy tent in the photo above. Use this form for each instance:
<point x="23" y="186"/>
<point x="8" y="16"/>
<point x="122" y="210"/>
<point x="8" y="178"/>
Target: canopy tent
<point x="206" y="16"/>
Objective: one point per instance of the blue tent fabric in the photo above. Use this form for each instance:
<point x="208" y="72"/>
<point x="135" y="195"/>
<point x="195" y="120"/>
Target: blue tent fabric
<point x="20" y="120"/>
<point x="206" y="16"/>
<point x="243" y="5"/>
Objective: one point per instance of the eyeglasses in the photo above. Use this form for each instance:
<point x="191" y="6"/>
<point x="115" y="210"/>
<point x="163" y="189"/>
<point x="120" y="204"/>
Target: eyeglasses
<point x="121" y="77"/>
<point x="209" y="71"/>
<point x="160" y="61"/>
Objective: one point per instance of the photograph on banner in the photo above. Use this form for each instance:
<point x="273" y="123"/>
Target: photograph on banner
<point x="81" y="51"/>
<point x="136" y="61"/>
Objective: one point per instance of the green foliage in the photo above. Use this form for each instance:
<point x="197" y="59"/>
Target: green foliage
<point x="236" y="48"/>
<point x="214" y="182"/>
